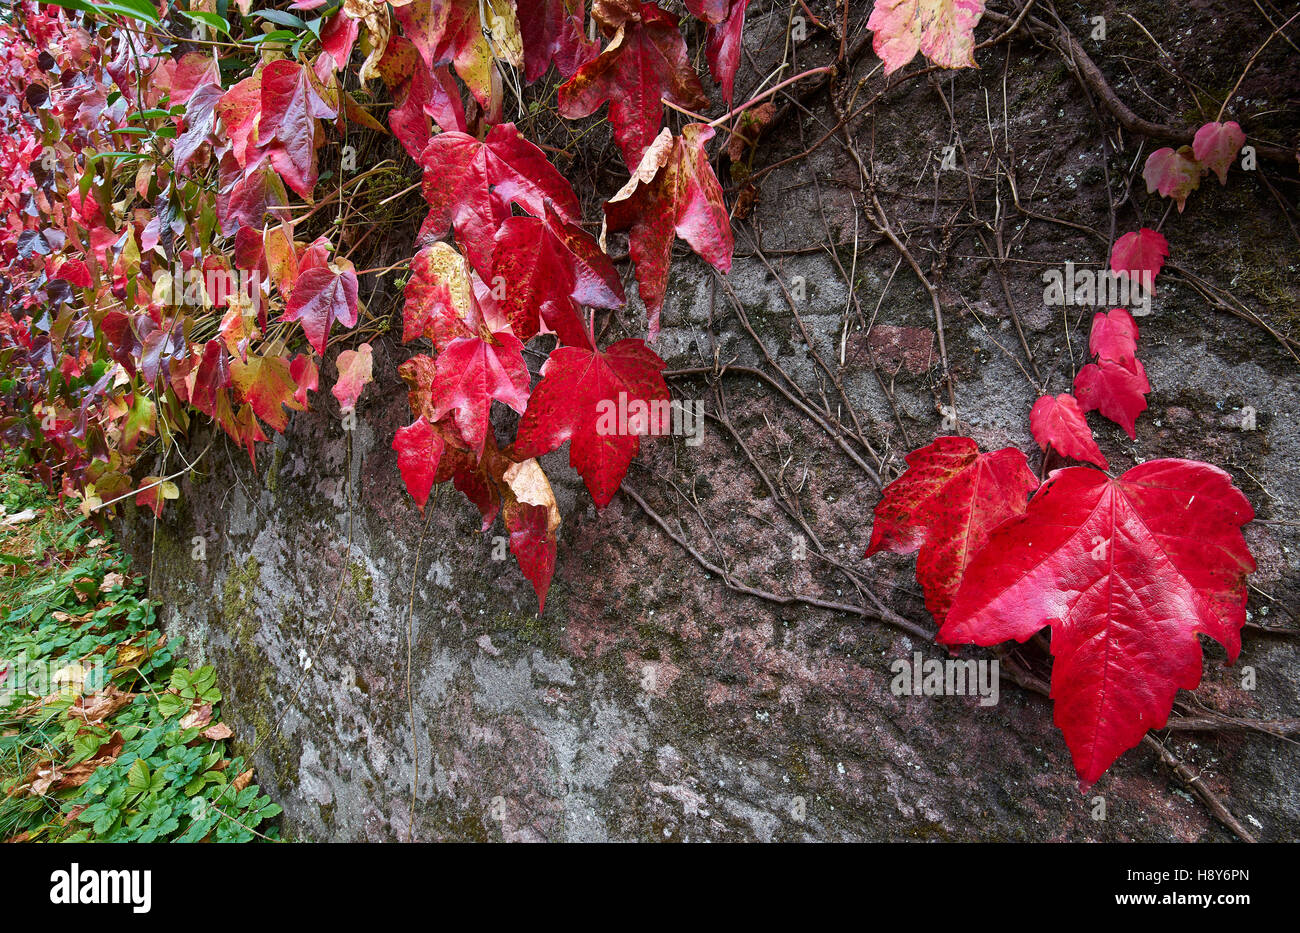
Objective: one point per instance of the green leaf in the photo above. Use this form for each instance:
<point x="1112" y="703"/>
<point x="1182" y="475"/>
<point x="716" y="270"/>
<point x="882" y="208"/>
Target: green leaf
<point x="211" y="20"/>
<point x="280" y="18"/>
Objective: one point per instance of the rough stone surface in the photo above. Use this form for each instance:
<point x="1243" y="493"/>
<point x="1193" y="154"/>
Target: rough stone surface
<point x="651" y="701"/>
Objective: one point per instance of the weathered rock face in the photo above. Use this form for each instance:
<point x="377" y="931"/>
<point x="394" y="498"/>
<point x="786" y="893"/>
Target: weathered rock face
<point x="654" y="699"/>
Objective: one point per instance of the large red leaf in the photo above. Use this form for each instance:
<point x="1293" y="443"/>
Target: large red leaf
<point x="545" y="269"/>
<point x="470" y="185"/>
<point x="419" y="449"/>
<point x="471" y="372"/>
<point x="644" y="64"/>
<point x="673" y="192"/>
<point x="1126" y="572"/>
<point x="293" y="101"/>
<point x="1058" y="421"/>
<point x="578" y="400"/>
<point x="946" y="504"/>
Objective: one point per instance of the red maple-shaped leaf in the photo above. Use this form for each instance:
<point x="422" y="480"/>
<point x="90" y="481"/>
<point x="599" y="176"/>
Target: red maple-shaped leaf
<point x="1140" y="255"/>
<point x="1058" y="421"/>
<point x="1115" y="390"/>
<point x="1114" y="336"/>
<point x="546" y="269"/>
<point x="1126" y="572"/>
<point x="1216" y="145"/>
<point x="1174" y="173"/>
<point x="470" y="186"/>
<point x="722" y="44"/>
<point x="293" y="101"/>
<point x="471" y="372"/>
<point x="644" y="64"/>
<point x="419" y="449"/>
<point x="673" y="192"/>
<point x="321" y="296"/>
<point x="946" y="504"/>
<point x="580" y="399"/>
<point x="552" y="31"/>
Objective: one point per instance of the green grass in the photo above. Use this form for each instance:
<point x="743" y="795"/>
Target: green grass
<point x="106" y="733"/>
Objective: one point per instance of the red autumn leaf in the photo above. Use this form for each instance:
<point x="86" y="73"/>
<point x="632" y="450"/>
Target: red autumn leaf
<point x="419" y="449"/>
<point x="154" y="494"/>
<point x="212" y="375"/>
<point x="320" y="297"/>
<point x="1115" y="390"/>
<point x="355" y="373"/>
<point x="673" y="192"/>
<point x="470" y="186"/>
<point x="338" y="35"/>
<point x="450" y="32"/>
<point x="305" y="375"/>
<point x="1174" y="173"/>
<point x="644" y="64"/>
<point x="552" y="31"/>
<point x="534" y="546"/>
<point x="1126" y="572"/>
<point x="1140" y="255"/>
<point x="266" y="384"/>
<point x="293" y="101"/>
<point x="546" y="269"/>
<point x="946" y="504"/>
<point x="1060" y="422"/>
<point x="239" y="109"/>
<point x="249" y="199"/>
<point x="579" y="399"/>
<point x="1114" y="337"/>
<point x="1215" y="145"/>
<point x="726" y="19"/>
<point x="942" y="30"/>
<point x="200" y="116"/>
<point x="471" y="372"/>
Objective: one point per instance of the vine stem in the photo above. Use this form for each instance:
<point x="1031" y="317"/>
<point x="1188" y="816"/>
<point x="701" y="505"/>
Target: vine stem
<point x="758" y="98"/>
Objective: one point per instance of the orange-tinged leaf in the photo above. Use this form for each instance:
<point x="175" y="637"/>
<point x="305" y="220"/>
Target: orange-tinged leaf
<point x="355" y="373"/>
